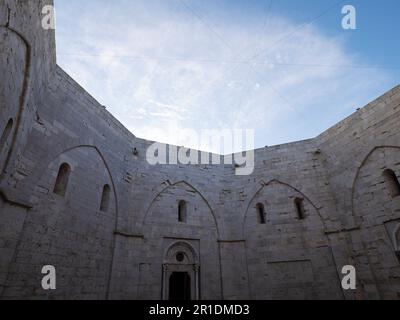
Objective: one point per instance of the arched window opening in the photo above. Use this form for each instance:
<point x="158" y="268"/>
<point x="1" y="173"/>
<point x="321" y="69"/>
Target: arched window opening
<point x="392" y="182"/>
<point x="105" y="198"/>
<point x="261" y="213"/>
<point x="299" y="204"/>
<point x="61" y="185"/>
<point x="6" y="133"/>
<point x="182" y="211"/>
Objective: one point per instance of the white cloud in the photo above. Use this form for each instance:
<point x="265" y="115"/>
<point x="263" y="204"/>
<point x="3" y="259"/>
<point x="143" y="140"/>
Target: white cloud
<point x="171" y="71"/>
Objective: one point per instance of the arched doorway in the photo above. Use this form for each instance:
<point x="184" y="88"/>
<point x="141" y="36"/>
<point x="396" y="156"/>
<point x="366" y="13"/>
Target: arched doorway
<point x="181" y="272"/>
<point x="180" y="286"/>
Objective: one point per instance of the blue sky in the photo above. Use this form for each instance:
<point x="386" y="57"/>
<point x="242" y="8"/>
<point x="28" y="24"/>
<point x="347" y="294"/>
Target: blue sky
<point x="286" y="69"/>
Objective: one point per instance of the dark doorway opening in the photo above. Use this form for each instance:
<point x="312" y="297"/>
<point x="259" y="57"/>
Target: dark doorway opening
<point x="179" y="286"/>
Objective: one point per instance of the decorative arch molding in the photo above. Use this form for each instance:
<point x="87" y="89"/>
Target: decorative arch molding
<point x="168" y="184"/>
<point x="187" y="248"/>
<point x="99" y="153"/>
<point x="270" y="182"/>
<point x="357" y="174"/>
<point x="22" y="98"/>
<point x="59" y="149"/>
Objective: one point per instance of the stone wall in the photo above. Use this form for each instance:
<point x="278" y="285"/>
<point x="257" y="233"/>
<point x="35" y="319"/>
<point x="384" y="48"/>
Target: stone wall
<point x="358" y="151"/>
<point x="128" y="250"/>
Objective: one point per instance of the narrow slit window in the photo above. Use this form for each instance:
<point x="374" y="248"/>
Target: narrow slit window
<point x="6" y="134"/>
<point x="261" y="213"/>
<point x="392" y="182"/>
<point x="105" y="198"/>
<point x="61" y="185"/>
<point x="182" y="211"/>
<point x="299" y="204"/>
<point x="397" y="243"/>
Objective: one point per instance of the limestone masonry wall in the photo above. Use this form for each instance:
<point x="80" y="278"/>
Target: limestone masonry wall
<point x="116" y="227"/>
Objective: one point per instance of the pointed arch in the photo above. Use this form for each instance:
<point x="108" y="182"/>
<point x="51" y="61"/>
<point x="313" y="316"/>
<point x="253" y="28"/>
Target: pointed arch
<point x="22" y="98"/>
<point x="102" y="159"/>
<point x="265" y="184"/>
<point x="114" y="192"/>
<point x="168" y="185"/>
<point x="357" y="174"/>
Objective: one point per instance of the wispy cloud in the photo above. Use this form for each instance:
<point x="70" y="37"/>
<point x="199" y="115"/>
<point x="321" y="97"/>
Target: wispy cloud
<point x="159" y="69"/>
